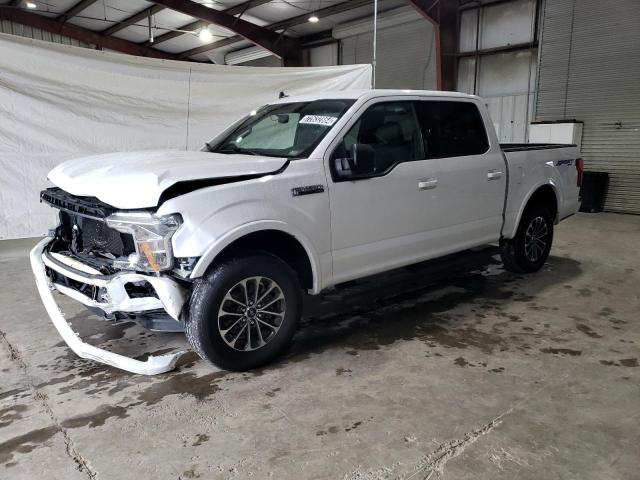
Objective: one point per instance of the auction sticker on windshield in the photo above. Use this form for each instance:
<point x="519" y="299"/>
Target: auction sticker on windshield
<point x="319" y="120"/>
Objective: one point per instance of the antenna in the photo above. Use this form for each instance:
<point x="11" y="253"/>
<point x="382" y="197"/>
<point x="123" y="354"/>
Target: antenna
<point x="375" y="41"/>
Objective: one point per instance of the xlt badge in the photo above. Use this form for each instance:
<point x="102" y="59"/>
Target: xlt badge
<point x="307" y="190"/>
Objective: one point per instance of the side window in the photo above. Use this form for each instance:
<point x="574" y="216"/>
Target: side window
<point x="391" y="129"/>
<point x="452" y="129"/>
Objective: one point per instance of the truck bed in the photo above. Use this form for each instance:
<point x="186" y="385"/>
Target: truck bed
<point x="531" y="165"/>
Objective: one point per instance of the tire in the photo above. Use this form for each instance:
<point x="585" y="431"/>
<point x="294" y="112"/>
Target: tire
<point x="240" y="337"/>
<point x="523" y="253"/>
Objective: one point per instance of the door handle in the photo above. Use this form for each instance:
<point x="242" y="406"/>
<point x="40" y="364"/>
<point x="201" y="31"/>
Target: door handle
<point x="494" y="174"/>
<point x="427" y="183"/>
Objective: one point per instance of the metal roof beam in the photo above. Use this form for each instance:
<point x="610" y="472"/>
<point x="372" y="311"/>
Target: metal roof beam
<point x="281" y="46"/>
<point x="198" y="24"/>
<point x="23" y="17"/>
<point x="133" y="19"/>
<point x="75" y="10"/>
<point x="323" y="12"/>
<point x="190" y="27"/>
<point x="507" y="48"/>
<point x="244" y="6"/>
<point x="427" y="8"/>
<point x="474" y="4"/>
<point x="282" y="25"/>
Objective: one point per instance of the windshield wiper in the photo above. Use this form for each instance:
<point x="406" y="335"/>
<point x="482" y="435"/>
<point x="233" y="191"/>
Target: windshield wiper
<point x="233" y="148"/>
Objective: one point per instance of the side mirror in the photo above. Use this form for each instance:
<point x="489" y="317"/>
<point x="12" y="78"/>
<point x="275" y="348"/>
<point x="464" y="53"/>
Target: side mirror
<point x="360" y="162"/>
<point x="363" y="159"/>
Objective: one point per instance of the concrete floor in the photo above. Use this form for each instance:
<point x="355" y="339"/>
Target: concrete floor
<point x="430" y="372"/>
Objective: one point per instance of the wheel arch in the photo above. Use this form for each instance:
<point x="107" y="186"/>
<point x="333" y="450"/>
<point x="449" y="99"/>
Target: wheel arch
<point x="545" y="194"/>
<point x="273" y="237"/>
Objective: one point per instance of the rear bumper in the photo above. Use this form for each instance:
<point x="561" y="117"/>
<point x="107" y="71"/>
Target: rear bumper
<point x="114" y="298"/>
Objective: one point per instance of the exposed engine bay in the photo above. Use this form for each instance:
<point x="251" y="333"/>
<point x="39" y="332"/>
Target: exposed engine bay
<point x="83" y="238"/>
<point x="83" y="232"/>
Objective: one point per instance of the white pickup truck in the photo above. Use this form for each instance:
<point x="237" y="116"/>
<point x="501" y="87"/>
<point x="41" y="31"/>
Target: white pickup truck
<point x="301" y="194"/>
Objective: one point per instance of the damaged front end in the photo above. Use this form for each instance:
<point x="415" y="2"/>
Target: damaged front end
<point x="118" y="264"/>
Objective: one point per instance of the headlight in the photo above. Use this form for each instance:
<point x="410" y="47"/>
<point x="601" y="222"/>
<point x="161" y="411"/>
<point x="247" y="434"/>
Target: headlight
<point x="152" y="237"/>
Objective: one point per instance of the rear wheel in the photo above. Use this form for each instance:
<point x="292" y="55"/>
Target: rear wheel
<point x="529" y="249"/>
<point x="244" y="312"/>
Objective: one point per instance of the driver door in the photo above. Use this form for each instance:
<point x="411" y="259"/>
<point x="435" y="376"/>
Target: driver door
<point x="385" y="218"/>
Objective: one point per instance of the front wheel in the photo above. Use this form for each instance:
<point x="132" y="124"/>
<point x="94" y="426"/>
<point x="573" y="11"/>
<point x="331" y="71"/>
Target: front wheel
<point x="244" y="312"/>
<point x="529" y="249"/>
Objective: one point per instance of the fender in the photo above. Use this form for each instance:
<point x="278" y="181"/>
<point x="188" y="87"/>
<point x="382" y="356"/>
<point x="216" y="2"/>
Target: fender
<point x="550" y="182"/>
<point x="252" y="227"/>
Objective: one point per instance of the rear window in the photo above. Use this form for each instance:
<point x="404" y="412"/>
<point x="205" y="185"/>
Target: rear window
<point x="451" y="129"/>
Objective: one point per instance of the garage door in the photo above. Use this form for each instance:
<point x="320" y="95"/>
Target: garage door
<point x="589" y="70"/>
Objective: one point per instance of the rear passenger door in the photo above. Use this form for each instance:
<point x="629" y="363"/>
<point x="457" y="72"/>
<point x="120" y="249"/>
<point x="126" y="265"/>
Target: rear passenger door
<point x="472" y="173"/>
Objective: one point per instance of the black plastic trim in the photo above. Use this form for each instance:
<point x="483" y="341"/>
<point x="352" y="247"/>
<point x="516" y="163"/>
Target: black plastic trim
<point x="522" y="147"/>
<point x="85" y="206"/>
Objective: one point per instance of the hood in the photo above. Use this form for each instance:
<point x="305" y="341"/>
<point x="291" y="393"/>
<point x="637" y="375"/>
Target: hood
<point x="137" y="179"/>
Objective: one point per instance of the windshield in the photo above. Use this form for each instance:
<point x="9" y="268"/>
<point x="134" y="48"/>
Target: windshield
<point x="290" y="130"/>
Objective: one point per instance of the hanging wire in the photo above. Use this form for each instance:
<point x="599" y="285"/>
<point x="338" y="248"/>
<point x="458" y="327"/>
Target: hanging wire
<point x="375" y="42"/>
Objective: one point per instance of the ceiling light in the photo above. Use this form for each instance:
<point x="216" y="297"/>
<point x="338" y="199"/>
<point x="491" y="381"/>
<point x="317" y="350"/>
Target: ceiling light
<point x="314" y="19"/>
<point x="31" y="5"/>
<point x="205" y="35"/>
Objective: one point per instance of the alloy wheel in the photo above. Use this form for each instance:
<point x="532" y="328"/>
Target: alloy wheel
<point x="251" y="313"/>
<point x="536" y="239"/>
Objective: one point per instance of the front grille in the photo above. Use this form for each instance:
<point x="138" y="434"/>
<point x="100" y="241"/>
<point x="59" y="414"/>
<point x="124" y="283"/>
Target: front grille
<point x="83" y="230"/>
<point x="88" y="235"/>
<point x="86" y="206"/>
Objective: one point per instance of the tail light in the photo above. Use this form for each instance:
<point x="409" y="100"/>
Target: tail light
<point x="580" y="169"/>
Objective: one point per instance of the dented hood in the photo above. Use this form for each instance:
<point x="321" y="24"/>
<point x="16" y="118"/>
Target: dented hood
<point x="137" y="179"/>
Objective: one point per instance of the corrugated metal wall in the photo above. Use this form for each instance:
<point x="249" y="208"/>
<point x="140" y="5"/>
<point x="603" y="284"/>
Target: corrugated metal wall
<point x="30" y="32"/>
<point x="506" y="80"/>
<point x="590" y="71"/>
<point x="406" y="55"/>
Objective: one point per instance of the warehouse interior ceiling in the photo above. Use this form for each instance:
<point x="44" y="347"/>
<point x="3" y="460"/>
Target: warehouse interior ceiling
<point x="202" y="30"/>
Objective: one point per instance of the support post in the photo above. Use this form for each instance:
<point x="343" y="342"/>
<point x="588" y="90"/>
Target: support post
<point x="443" y="15"/>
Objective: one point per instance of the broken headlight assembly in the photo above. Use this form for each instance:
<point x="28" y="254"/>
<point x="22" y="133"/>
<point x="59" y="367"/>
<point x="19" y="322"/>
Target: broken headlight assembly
<point x="152" y="237"/>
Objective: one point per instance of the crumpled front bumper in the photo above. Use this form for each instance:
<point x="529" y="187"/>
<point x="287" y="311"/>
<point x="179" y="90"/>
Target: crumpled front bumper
<point x="171" y="297"/>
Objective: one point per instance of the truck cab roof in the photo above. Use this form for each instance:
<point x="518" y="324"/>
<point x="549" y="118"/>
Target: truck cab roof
<point x="369" y="94"/>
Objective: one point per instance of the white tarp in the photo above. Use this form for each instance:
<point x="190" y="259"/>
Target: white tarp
<point x="59" y="102"/>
